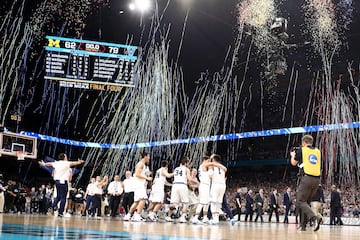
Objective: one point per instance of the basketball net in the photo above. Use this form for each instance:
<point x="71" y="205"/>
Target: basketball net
<point x="20" y="155"/>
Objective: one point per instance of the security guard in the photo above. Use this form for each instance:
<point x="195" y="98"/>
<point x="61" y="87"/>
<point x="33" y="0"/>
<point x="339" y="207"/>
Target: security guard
<point x="308" y="159"/>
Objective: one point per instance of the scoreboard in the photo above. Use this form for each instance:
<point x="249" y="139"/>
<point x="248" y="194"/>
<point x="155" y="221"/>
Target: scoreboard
<point x="90" y="64"/>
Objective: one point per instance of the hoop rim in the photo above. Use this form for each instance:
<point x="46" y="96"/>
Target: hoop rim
<point x="20" y="155"/>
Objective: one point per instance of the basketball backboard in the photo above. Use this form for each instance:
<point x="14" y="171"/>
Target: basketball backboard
<point x="12" y="144"/>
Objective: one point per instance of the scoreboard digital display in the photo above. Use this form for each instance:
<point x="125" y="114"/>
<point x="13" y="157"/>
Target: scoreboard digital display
<point x="90" y="64"/>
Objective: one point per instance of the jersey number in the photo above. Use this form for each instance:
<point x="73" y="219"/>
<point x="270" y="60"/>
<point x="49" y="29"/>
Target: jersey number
<point x="178" y="172"/>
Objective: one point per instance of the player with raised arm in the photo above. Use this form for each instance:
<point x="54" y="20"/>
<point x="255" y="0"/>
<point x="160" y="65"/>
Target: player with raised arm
<point x="61" y="175"/>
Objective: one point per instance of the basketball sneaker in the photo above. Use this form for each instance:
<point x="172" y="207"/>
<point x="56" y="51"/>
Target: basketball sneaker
<point x="182" y="219"/>
<point x="205" y="220"/>
<point x="127" y="217"/>
<point x="168" y="219"/>
<point x="152" y="216"/>
<point x="195" y="220"/>
<point x="214" y="220"/>
<point x="136" y="217"/>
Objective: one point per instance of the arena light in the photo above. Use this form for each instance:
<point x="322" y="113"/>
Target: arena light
<point x="143" y="5"/>
<point x="132" y="6"/>
<point x="140" y="5"/>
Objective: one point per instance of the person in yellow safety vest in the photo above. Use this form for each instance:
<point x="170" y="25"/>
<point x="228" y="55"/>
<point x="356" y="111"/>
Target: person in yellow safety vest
<point x="308" y="159"/>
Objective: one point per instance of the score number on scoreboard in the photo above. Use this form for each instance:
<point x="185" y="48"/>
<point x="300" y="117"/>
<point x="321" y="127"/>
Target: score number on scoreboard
<point x="90" y="64"/>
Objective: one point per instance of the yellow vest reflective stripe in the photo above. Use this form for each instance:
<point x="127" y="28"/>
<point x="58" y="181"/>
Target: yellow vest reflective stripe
<point x="312" y="161"/>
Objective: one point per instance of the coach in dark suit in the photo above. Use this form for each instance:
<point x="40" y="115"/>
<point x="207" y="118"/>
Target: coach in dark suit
<point x="274" y="205"/>
<point x="249" y="206"/>
<point x="335" y="207"/>
<point x="287" y="204"/>
<point x="259" y="201"/>
<point x="238" y="203"/>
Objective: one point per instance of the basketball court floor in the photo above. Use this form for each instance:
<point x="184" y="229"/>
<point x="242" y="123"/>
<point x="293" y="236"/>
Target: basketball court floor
<point x="21" y="227"/>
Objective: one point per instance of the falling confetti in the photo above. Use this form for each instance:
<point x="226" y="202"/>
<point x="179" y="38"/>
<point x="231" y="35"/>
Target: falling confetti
<point x="158" y="108"/>
<point x="257" y="16"/>
<point x="321" y="23"/>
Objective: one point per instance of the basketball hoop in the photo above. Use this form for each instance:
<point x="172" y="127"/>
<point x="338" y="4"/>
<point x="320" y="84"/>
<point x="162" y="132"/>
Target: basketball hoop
<point x="20" y="155"/>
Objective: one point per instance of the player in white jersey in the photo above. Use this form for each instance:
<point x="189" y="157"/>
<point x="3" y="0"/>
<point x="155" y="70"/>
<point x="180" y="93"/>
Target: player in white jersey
<point x="218" y="186"/>
<point x="157" y="190"/>
<point x="61" y="175"/>
<point x="179" y="190"/>
<point x="140" y="195"/>
<point x="193" y="187"/>
<point x="204" y="190"/>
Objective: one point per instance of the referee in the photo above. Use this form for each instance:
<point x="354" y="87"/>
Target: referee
<point x="308" y="159"/>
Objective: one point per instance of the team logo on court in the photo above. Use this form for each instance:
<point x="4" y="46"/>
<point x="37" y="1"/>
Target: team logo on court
<point x="313" y="159"/>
